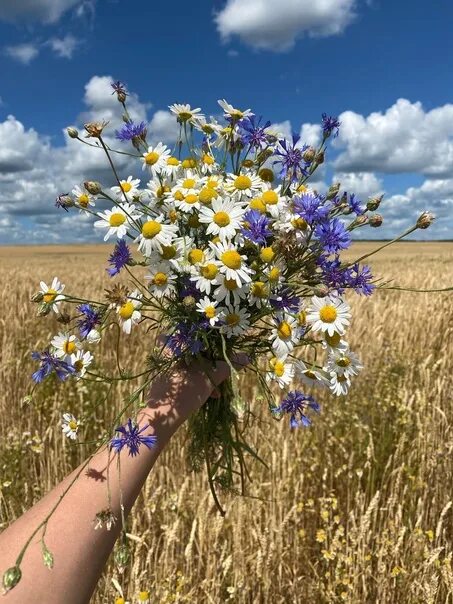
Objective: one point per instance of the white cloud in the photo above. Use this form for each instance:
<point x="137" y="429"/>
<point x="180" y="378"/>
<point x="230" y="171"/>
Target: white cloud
<point x="403" y="139"/>
<point x="64" y="47"/>
<point x="363" y="184"/>
<point x="275" y="25"/>
<point x="24" y="53"/>
<point x="163" y="127"/>
<point x="45" y="11"/>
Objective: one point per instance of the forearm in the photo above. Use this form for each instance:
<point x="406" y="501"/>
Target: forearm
<point x="80" y="552"/>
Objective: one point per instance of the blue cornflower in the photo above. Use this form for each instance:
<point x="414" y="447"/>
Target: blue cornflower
<point x="360" y="278"/>
<point x="335" y="277"/>
<point x="255" y="228"/>
<point x="188" y="288"/>
<point x="120" y="256"/>
<point x="90" y="319"/>
<point x="333" y="236"/>
<point x="329" y="124"/>
<point x="118" y="87"/>
<point x="130" y="131"/>
<point x="185" y="338"/>
<point x="285" y="300"/>
<point x="297" y="405"/>
<point x="50" y="364"/>
<point x="355" y="205"/>
<point x="255" y="135"/>
<point x="291" y="158"/>
<point x="311" y="207"/>
<point x="132" y="439"/>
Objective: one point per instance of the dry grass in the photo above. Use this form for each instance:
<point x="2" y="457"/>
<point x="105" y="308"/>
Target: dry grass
<point x="356" y="510"/>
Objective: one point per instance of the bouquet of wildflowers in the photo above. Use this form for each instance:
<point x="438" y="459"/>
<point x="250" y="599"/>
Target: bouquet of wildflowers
<point x="220" y="248"/>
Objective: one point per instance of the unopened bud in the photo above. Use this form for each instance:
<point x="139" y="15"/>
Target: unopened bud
<point x="39" y="297"/>
<point x="321" y="290"/>
<point x="425" y="220"/>
<point x="47" y="557"/>
<point x="373" y="203"/>
<point x="333" y="191"/>
<point x="363" y="219"/>
<point x="320" y="157"/>
<point x="44" y="309"/>
<point x="188" y="301"/>
<point x="375" y="220"/>
<point x="11" y="577"/>
<point x="248" y="163"/>
<point x="266" y="174"/>
<point x="309" y="154"/>
<point x="72" y="132"/>
<point x="121" y="96"/>
<point x="122" y="556"/>
<point x="92" y="187"/>
<point x="125" y="118"/>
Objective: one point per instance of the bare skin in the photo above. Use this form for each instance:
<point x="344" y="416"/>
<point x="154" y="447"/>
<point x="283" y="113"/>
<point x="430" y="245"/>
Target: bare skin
<point x="80" y="552"/>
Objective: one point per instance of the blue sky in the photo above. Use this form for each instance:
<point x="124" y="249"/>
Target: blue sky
<point x="382" y="67"/>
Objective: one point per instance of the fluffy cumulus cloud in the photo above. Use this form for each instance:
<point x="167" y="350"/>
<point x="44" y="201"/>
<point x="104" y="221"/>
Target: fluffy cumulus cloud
<point x="45" y="11"/>
<point x="33" y="172"/>
<point x="362" y="184"/>
<point x="405" y="138"/>
<point x="275" y="25"/>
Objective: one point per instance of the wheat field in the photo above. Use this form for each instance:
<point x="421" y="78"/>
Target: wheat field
<point x="356" y="509"/>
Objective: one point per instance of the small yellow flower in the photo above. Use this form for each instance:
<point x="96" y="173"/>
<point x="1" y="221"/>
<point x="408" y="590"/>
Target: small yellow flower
<point x="321" y="535"/>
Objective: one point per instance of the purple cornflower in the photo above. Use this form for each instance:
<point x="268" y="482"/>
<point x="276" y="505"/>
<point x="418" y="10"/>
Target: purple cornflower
<point x="285" y="300"/>
<point x="64" y="201"/>
<point x="355" y="205"/>
<point x="255" y="135"/>
<point x="329" y="124"/>
<point x="185" y="338"/>
<point x="118" y="87"/>
<point x="297" y="404"/>
<point x="359" y="279"/>
<point x="132" y="439"/>
<point x="333" y="236"/>
<point x="255" y="227"/>
<point x="291" y="158"/>
<point x="120" y="256"/>
<point x="188" y="288"/>
<point x="311" y="207"/>
<point x="89" y="321"/>
<point x="130" y="131"/>
<point x="50" y="364"/>
<point x="335" y="277"/>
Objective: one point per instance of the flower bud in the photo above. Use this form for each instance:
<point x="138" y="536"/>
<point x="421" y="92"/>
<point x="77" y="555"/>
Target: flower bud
<point x="11" y="577"/>
<point x="375" y="220"/>
<point x="39" y="297"/>
<point x="333" y="191"/>
<point x="309" y="154"/>
<point x="44" y="309"/>
<point x="92" y="187"/>
<point x="94" y="129"/>
<point x="121" y="96"/>
<point x="93" y="337"/>
<point x="321" y="290"/>
<point x="122" y="556"/>
<point x="320" y="157"/>
<point x="188" y="301"/>
<point x="373" y="203"/>
<point x="425" y="220"/>
<point x="266" y="174"/>
<point x="47" y="557"/>
<point x="360" y="220"/>
<point x="72" y="132"/>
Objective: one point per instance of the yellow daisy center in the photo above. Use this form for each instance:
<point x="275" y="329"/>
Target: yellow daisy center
<point x="126" y="186"/>
<point x="302" y="317"/>
<point x="49" y="296"/>
<point x="191" y="198"/>
<point x="209" y="311"/>
<point x="151" y="228"/>
<point x="231" y="259"/>
<point x="299" y="223"/>
<point x="328" y="313"/>
<point x="343" y="362"/>
<point x="302" y="189"/>
<point x="194" y="221"/>
<point x="189" y="183"/>
<point x="333" y="340"/>
<point x="232" y="319"/>
<point x="184" y="115"/>
<point x="69" y="347"/>
<point x="242" y="183"/>
<point x="209" y="271"/>
<point x="207" y="194"/>
<point x="284" y="330"/>
<point x="188" y="163"/>
<point x="172" y="161"/>
<point x="126" y="311"/>
<point x="310" y="374"/>
<point x="161" y="190"/>
<point x="168" y="252"/>
<point x="259" y="289"/>
<point x="212" y="183"/>
<point x="84" y="200"/>
<point x="116" y="219"/>
<point x="173" y="215"/>
<point x="160" y="279"/>
<point x="270" y="197"/>
<point x="266" y="174"/>
<point x="179" y="195"/>
<point x="274" y="274"/>
<point x="267" y="254"/>
<point x="78" y="365"/>
<point x="279" y="368"/>
<point x="230" y="284"/>
<point x="151" y="158"/>
<point x="208" y="160"/>
<point x="221" y="219"/>
<point x="73" y="425"/>
<point x="258" y="204"/>
<point x="195" y="255"/>
<point x="143" y="596"/>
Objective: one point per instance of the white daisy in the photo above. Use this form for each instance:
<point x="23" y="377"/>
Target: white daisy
<point x="310" y="375"/>
<point x="328" y="314"/>
<point x="259" y="294"/>
<point x="162" y="280"/>
<point x="287" y="222"/>
<point x="207" y="307"/>
<point x="231" y="263"/>
<point x="155" y="234"/>
<point x="229" y="291"/>
<point x="285" y="335"/>
<point x="343" y="362"/>
<point x="207" y="164"/>
<point x="81" y="361"/>
<point x="275" y="273"/>
<point x="70" y="426"/>
<point x="129" y="313"/>
<point x="128" y="189"/>
<point x="339" y="384"/>
<point x="244" y="185"/>
<point x="235" y="321"/>
<point x="280" y="372"/>
<point x="66" y="346"/>
<point x="156" y="158"/>
<point x="116" y="221"/>
<point x="83" y="198"/>
<point x="205" y="277"/>
<point x="184" y="113"/>
<point x="334" y="342"/>
<point x="223" y="218"/>
<point x="172" y="167"/>
<point x="232" y="112"/>
<point x="52" y="295"/>
<point x="208" y="128"/>
<point x="274" y="202"/>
